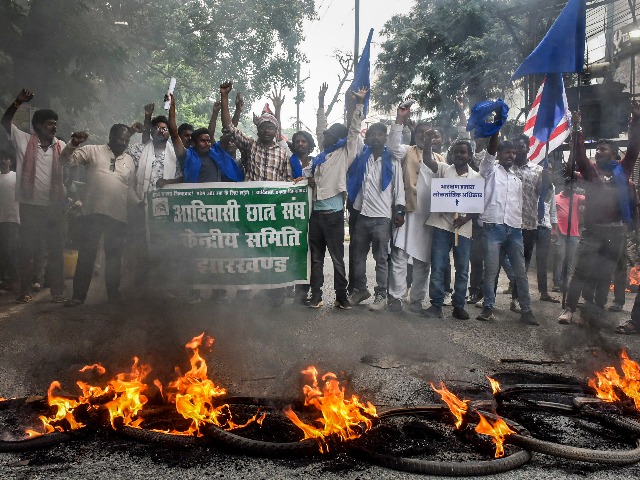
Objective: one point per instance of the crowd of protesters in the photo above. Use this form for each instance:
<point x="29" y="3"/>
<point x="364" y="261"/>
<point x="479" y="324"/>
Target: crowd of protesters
<point x="582" y="233"/>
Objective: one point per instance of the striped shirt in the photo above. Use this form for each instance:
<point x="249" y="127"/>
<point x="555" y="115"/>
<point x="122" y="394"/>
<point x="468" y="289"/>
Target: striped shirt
<point x="265" y="163"/>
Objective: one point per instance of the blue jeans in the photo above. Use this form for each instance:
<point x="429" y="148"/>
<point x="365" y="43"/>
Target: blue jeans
<point x="560" y="249"/>
<point x="497" y="237"/>
<point x="373" y="233"/>
<point x="442" y="243"/>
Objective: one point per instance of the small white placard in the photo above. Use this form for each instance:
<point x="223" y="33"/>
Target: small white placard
<point x="172" y="87"/>
<point x="457" y="195"/>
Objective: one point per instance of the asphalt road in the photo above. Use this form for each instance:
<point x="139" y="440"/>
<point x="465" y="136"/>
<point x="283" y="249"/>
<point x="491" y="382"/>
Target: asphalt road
<point x="260" y="351"/>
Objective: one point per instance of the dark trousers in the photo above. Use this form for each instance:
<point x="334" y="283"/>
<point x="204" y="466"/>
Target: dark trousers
<point x="599" y="249"/>
<point x="477" y="261"/>
<point x="353" y="216"/>
<point x="543" y="247"/>
<point x="326" y="232"/>
<point x="37" y="223"/>
<point x="94" y="227"/>
<point x="8" y="251"/>
<point x="529" y="238"/>
<point x="620" y="278"/>
<point x="635" y="311"/>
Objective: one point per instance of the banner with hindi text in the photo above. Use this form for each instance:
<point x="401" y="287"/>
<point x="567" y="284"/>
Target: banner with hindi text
<point x="244" y="235"/>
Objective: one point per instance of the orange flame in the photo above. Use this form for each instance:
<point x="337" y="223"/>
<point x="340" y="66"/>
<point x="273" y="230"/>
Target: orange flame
<point x="192" y="394"/>
<point x="458" y="407"/>
<point x="64" y="411"/>
<point x="634" y="276"/>
<point x="495" y="385"/>
<point x="96" y="366"/>
<point x="609" y="383"/>
<point x="340" y="417"/>
<point x="497" y="432"/>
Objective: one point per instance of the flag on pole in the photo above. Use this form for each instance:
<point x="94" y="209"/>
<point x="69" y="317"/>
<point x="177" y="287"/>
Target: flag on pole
<point x="549" y="120"/>
<point x="562" y="48"/>
<point x="362" y="76"/>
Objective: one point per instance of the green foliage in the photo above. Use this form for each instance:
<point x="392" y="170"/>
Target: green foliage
<point x="443" y="47"/>
<point x="95" y="72"/>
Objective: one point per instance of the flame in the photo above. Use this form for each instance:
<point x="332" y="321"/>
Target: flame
<point x="495" y="385"/>
<point x="497" y="431"/>
<point x="340" y="417"/>
<point x="96" y="366"/>
<point x="634" y="276"/>
<point x="124" y="393"/>
<point x="192" y="394"/>
<point x="128" y="398"/>
<point x="458" y="407"/>
<point x="608" y="383"/>
<point x="64" y="411"/>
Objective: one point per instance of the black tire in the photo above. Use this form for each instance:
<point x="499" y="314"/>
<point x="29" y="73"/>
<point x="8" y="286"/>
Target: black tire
<point x="149" y="436"/>
<point x="34" y="443"/>
<point x="608" y="457"/>
<point x="449" y="469"/>
<point x="260" y="448"/>
<point x="432" y="467"/>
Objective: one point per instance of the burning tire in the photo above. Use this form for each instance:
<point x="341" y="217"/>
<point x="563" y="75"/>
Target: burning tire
<point x="435" y="467"/>
<point x="33" y="443"/>
<point x="608" y="457"/>
<point x="150" y="436"/>
<point x="258" y="447"/>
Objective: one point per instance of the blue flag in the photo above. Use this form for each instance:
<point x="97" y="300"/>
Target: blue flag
<point x="562" y="48"/>
<point x="361" y="78"/>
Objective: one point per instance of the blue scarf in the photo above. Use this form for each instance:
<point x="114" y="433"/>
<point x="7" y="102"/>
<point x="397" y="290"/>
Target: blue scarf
<point x="225" y="163"/>
<point x="622" y="185"/>
<point x="357" y="170"/>
<point x="296" y="166"/>
<point x="322" y="157"/>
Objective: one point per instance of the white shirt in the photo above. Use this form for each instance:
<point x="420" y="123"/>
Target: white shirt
<point x="502" y="194"/>
<point x="9" y="206"/>
<point x="44" y="167"/>
<point x="372" y="201"/>
<point x="444" y="221"/>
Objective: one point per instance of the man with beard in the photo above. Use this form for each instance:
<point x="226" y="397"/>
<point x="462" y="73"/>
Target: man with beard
<point x="502" y="225"/>
<point x="109" y="186"/>
<point x="156" y="165"/>
<point x="413" y="239"/>
<point x="326" y="225"/>
<point x="533" y="178"/>
<point x="376" y="188"/>
<point x="443" y="240"/>
<point x="41" y="193"/>
<point x="607" y="210"/>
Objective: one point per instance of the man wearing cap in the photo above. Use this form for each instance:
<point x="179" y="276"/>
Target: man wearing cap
<point x="268" y="160"/>
<point x="326" y="225"/>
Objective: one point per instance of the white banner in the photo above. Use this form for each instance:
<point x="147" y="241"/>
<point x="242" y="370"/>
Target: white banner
<point x="457" y="195"/>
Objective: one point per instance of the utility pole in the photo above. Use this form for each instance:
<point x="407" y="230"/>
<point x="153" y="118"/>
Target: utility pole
<point x="356" y="44"/>
<point x="298" y="100"/>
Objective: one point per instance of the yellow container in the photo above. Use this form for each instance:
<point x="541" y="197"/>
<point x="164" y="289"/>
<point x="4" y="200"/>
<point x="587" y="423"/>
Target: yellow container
<point x="70" y="262"/>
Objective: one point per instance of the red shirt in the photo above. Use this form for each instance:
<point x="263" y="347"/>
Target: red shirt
<point x="562" y="206"/>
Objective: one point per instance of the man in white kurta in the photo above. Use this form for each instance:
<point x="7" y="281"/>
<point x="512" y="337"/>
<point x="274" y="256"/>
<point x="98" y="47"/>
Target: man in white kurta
<point x="413" y="239"/>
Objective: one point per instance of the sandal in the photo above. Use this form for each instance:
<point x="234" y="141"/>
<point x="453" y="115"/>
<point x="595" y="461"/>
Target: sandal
<point x="628" y="328"/>
<point x="23" y="299"/>
<point x="74" y="302"/>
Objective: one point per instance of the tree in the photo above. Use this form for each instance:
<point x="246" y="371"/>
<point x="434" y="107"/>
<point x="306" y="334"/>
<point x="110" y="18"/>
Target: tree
<point x="443" y="47"/>
<point x="98" y="62"/>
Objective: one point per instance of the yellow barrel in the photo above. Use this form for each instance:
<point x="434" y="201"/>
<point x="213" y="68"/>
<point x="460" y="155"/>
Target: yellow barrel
<point x="70" y="262"/>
